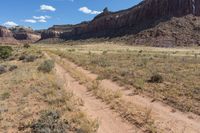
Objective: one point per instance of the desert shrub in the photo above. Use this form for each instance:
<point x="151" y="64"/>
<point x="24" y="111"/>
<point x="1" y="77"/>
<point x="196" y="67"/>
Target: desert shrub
<point x="27" y="45"/>
<point x="13" y="67"/>
<point x="2" y="69"/>
<point x="71" y="50"/>
<point x="49" y="122"/>
<point x="156" y="78"/>
<point x="140" y="51"/>
<point x="5" y="96"/>
<point x="5" y="52"/>
<point x="22" y="57"/>
<point x="46" y="66"/>
<point x="30" y="58"/>
<point x="104" y="52"/>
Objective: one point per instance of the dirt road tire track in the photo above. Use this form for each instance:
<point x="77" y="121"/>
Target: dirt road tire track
<point x="171" y="122"/>
<point x="109" y="121"/>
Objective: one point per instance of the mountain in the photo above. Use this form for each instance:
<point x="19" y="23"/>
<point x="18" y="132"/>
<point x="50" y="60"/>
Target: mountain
<point x="165" y="23"/>
<point x="151" y="22"/>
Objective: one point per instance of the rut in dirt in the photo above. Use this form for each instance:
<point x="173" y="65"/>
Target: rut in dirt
<point x="165" y="119"/>
<point x="109" y="121"/>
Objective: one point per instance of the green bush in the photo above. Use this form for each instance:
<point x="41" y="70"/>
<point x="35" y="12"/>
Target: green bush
<point x="5" y="52"/>
<point x="46" y="66"/>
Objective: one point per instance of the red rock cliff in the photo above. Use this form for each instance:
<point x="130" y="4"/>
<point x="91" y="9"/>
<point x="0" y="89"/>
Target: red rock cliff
<point x="142" y="15"/>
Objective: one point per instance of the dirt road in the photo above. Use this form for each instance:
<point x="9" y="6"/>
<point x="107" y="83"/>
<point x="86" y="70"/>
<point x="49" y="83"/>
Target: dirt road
<point x="165" y="118"/>
<point x="109" y="121"/>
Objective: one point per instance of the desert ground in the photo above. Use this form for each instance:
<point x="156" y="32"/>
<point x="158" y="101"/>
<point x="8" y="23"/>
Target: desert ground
<point x="99" y="87"/>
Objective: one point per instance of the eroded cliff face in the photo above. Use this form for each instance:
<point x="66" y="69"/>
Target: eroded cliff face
<point x="60" y="31"/>
<point x="6" y="36"/>
<point x="4" y="32"/>
<point x="181" y="31"/>
<point x="25" y="35"/>
<point x="140" y="17"/>
<point x="146" y="15"/>
<point x="17" y="35"/>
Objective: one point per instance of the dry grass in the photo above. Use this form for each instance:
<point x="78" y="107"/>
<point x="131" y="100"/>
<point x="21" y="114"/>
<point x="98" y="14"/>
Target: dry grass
<point x="138" y="116"/>
<point x="178" y="68"/>
<point x="28" y="98"/>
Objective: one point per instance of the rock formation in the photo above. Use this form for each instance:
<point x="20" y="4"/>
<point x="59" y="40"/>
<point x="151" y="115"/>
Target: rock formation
<point x="182" y="31"/>
<point x="25" y="34"/>
<point x="17" y="35"/>
<point x="4" y="32"/>
<point x="60" y="31"/>
<point x="6" y="36"/>
<point x="139" y="17"/>
<point x="140" y="22"/>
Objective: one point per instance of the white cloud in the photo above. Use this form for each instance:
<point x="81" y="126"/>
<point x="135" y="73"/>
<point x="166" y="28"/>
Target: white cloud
<point x="42" y="21"/>
<point x="47" y="8"/>
<point x="88" y="11"/>
<point x="41" y="17"/>
<point x="36" y="19"/>
<point x="95" y="12"/>
<point x="10" y="24"/>
<point x="30" y="21"/>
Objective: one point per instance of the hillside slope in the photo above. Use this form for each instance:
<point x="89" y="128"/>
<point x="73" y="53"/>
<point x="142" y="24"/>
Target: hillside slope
<point x="183" y="31"/>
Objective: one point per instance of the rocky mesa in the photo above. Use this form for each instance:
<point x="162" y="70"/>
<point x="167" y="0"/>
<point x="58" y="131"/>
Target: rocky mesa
<point x="165" y="23"/>
<point x="17" y="35"/>
<point x="25" y="34"/>
<point x="139" y="22"/>
<point x="6" y="36"/>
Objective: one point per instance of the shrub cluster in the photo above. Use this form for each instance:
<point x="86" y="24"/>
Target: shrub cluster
<point x="46" y="66"/>
<point x="27" y="58"/>
<point x="5" y="52"/>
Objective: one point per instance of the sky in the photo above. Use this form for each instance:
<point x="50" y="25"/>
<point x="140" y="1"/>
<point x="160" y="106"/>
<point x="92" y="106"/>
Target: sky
<point x="41" y="14"/>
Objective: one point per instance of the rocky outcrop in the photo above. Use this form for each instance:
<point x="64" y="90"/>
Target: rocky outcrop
<point x="55" y="31"/>
<point x="17" y="35"/>
<point x="6" y="36"/>
<point x="50" y="34"/>
<point x="145" y="15"/>
<point x="25" y="34"/>
<point x="136" y="21"/>
<point x="158" y="22"/>
<point x="181" y="31"/>
<point x="60" y="31"/>
<point x="4" y="32"/>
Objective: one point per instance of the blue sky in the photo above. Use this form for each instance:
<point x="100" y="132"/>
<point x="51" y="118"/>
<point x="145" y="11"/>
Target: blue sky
<point x="41" y="14"/>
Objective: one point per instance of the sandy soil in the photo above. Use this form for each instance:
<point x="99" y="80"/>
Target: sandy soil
<point x="110" y="122"/>
<point x="166" y="118"/>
